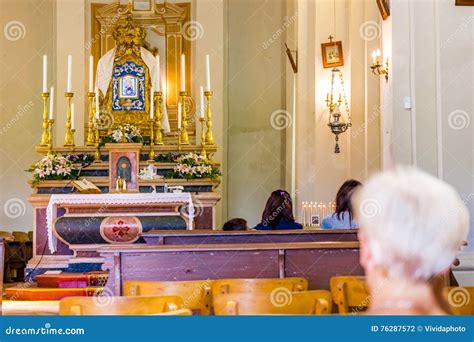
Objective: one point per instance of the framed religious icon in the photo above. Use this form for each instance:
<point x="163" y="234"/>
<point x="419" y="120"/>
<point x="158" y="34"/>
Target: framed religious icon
<point x="464" y="2"/>
<point x="384" y="8"/>
<point x="332" y="54"/>
<point x="124" y="160"/>
<point x="128" y="87"/>
<point x="315" y="222"/>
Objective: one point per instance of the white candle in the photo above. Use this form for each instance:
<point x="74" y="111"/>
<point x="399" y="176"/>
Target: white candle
<point x="97" y="109"/>
<point x="201" y="94"/>
<point x="183" y="72"/>
<point x="374" y="57"/>
<point x="152" y="104"/>
<point x="72" y="116"/>
<point x="69" y="74"/>
<point x="179" y="115"/>
<point x="158" y="73"/>
<point x="91" y="74"/>
<point x="45" y="74"/>
<point x="51" y="103"/>
<point x="208" y="73"/>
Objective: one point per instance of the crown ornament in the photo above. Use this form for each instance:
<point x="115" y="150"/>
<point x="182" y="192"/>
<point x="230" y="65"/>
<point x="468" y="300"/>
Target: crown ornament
<point x="128" y="36"/>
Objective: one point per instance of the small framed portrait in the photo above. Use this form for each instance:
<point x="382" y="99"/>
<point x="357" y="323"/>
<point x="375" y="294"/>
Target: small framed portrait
<point x="464" y="2"/>
<point x="128" y="87"/>
<point x="332" y="54"/>
<point x="315" y="222"/>
<point x="384" y="8"/>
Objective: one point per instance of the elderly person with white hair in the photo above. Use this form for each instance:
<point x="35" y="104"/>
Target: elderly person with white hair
<point x="411" y="227"/>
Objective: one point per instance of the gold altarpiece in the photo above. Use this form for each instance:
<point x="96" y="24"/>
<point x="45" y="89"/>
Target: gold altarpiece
<point x="165" y="20"/>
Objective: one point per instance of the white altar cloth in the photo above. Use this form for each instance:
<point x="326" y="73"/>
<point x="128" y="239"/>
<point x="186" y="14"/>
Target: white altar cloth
<point x="111" y="199"/>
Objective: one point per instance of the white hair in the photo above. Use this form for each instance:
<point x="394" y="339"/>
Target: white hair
<point x="414" y="223"/>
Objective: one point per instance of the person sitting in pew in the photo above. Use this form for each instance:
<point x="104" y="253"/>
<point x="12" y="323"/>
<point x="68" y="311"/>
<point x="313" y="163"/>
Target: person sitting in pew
<point x="343" y="217"/>
<point x="235" y="224"/>
<point x="278" y="213"/>
<point x="411" y="228"/>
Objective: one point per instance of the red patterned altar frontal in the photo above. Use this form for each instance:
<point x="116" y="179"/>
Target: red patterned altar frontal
<point x="121" y="229"/>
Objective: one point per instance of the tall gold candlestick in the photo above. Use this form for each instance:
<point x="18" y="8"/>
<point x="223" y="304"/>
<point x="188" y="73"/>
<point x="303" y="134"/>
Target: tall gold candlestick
<point x="90" y="140"/>
<point x="97" y="156"/>
<point x="158" y="117"/>
<point x="179" y="139"/>
<point x="50" y="128"/>
<point x="69" y="137"/>
<point x="209" y="136"/>
<point x="45" y="135"/>
<point x="203" y="137"/>
<point x="151" y="156"/>
<point x="184" y="120"/>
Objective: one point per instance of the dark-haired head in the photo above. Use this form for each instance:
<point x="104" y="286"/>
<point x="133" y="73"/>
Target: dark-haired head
<point x="235" y="224"/>
<point x="278" y="209"/>
<point x="343" y="198"/>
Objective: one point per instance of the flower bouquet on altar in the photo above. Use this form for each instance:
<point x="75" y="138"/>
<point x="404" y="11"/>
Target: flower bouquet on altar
<point x="193" y="166"/>
<point x="125" y="134"/>
<point x="59" y="167"/>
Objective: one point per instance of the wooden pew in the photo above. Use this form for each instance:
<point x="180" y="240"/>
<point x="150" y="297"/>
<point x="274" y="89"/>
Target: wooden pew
<point x="198" y="237"/>
<point x="315" y="261"/>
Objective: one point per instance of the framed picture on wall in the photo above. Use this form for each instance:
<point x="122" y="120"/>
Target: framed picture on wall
<point x="384" y="8"/>
<point x="464" y="2"/>
<point x="332" y="54"/>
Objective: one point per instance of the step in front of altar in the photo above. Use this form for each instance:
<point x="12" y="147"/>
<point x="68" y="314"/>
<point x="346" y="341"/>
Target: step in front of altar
<point x="28" y="291"/>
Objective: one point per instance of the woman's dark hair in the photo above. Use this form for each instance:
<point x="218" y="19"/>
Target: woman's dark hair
<point x="235" y="224"/>
<point x="343" y="198"/>
<point x="278" y="208"/>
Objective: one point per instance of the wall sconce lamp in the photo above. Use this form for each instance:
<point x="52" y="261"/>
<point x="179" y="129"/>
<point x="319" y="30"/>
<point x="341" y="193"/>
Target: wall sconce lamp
<point x="376" y="66"/>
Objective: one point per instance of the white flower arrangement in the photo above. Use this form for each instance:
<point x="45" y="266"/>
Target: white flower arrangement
<point x="125" y="134"/>
<point x="192" y="166"/>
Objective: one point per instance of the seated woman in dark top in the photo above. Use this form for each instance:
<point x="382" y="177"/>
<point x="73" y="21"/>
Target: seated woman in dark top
<point x="235" y="224"/>
<point x="343" y="218"/>
<point x="278" y="213"/>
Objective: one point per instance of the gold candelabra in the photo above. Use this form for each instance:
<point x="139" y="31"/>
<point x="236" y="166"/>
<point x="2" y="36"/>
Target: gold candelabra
<point x="184" y="121"/>
<point x="377" y="68"/>
<point x="69" y="137"/>
<point x="90" y="140"/>
<point x="179" y="139"/>
<point x="209" y="137"/>
<point x="45" y="136"/>
<point x="158" y="98"/>
<point x="151" y="156"/>
<point x="50" y="142"/>
<point x="97" y="156"/>
<point x="203" y="137"/>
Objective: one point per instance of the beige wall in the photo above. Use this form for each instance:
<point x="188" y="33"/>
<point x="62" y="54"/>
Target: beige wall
<point x="27" y="34"/>
<point x="432" y="53"/>
<point x="320" y="171"/>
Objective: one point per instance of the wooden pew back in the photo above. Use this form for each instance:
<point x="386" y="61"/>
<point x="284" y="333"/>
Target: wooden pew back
<point x="280" y="301"/>
<point x="196" y="294"/>
<point x="119" y="305"/>
<point x="224" y="286"/>
<point x="460" y="299"/>
<point x="349" y="291"/>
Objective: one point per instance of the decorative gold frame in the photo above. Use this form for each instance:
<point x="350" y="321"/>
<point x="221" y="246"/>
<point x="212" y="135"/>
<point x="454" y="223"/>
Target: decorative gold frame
<point x="167" y="20"/>
<point x="337" y="44"/>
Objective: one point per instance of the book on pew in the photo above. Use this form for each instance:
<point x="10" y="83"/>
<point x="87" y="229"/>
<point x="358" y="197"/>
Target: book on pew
<point x="86" y="187"/>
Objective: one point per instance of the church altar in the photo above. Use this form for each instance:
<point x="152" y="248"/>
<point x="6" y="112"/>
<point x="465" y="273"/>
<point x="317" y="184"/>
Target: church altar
<point x="141" y="156"/>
